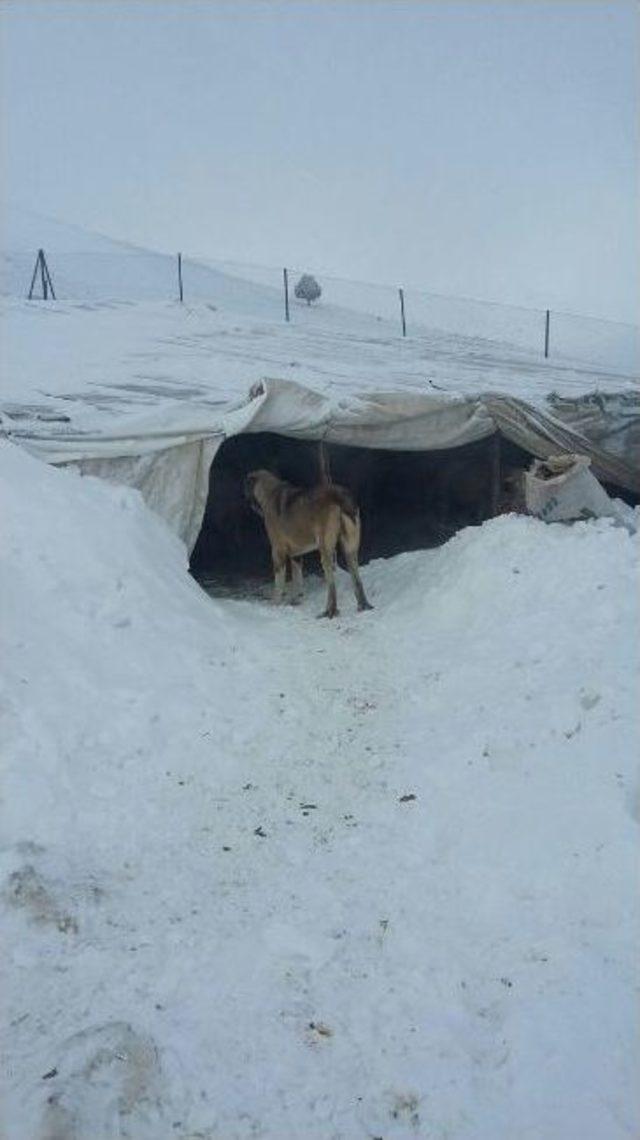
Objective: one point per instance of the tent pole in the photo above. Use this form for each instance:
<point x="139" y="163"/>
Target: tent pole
<point x="323" y="464"/>
<point x="495" y="462"/>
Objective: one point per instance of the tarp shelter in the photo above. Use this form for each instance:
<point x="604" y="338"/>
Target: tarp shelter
<point x="167" y="451"/>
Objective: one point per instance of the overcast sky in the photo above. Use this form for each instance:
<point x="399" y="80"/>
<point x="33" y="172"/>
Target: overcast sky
<point x="487" y="150"/>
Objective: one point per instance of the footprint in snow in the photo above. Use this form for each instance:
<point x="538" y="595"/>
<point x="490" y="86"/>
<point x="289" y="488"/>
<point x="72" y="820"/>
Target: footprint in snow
<point x="106" y="1081"/>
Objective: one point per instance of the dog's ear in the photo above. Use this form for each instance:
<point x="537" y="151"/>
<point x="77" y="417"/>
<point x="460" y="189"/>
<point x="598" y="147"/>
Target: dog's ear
<point x="249" y="492"/>
<point x="249" y="484"/>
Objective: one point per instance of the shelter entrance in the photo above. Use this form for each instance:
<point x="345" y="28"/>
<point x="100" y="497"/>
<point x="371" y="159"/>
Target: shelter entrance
<point x="408" y="500"/>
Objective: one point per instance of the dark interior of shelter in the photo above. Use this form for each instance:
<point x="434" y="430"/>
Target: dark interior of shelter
<point x="408" y="500"/>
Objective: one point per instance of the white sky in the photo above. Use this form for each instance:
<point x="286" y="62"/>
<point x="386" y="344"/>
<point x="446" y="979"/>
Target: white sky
<point x="487" y="150"/>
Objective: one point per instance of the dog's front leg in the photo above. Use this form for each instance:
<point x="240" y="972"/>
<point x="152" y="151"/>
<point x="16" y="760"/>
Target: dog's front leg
<point x="279" y="576"/>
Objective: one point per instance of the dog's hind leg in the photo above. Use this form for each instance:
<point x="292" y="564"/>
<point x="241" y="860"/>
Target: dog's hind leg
<point x="297" y="587"/>
<point x="326" y="558"/>
<point x="349" y="544"/>
<point x="358" y="588"/>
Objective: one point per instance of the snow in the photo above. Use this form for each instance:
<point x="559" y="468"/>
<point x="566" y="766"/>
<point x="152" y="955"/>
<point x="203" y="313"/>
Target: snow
<point x="441" y="946"/>
<point x="92" y="372"/>
<point x="117" y="339"/>
<point x="92" y="272"/>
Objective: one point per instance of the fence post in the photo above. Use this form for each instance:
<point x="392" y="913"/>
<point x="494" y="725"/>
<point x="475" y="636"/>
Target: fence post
<point x="286" y="294"/>
<point x="546" y="334"/>
<point x="404" y="323"/>
<point x="180" y="277"/>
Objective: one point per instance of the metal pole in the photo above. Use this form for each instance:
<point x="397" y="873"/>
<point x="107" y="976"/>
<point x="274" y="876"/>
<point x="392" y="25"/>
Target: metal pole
<point x="33" y="279"/>
<point x="404" y="323"/>
<point x="286" y="294"/>
<point x="180" y="277"/>
<point x="546" y="334"/>
<point x="45" y="268"/>
<point x="45" y="290"/>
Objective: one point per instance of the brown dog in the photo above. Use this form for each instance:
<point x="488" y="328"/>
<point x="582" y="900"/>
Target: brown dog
<point x="298" y="521"/>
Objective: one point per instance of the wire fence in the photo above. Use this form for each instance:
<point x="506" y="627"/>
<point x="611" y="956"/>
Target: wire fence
<point x="349" y="307"/>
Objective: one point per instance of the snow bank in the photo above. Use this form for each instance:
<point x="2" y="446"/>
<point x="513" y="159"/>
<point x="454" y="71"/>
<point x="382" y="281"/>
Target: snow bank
<point x="267" y="876"/>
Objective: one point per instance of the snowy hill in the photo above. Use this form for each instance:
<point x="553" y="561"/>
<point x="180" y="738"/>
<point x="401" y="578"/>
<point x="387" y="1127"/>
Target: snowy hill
<point x="90" y="269"/>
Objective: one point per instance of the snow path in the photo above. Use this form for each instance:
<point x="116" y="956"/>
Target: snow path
<point x="265" y="876"/>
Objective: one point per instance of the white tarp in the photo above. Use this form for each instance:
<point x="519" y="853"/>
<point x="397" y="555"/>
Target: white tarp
<point x="166" y="451"/>
<point x="174" y="481"/>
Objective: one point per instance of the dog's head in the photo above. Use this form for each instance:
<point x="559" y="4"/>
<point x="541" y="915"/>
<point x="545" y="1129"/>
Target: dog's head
<point x="256" y="486"/>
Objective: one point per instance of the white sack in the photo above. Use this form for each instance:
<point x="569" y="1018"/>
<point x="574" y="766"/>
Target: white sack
<point x="562" y="488"/>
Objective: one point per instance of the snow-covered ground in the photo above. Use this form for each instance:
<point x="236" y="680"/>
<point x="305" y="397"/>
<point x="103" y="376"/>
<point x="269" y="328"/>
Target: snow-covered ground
<point x="264" y="876"/>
